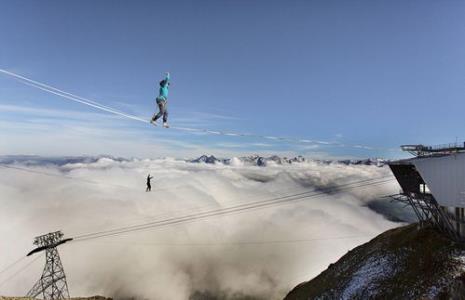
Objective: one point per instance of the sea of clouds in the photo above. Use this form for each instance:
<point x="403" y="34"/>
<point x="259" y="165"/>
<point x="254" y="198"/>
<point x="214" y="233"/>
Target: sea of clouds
<point x="261" y="253"/>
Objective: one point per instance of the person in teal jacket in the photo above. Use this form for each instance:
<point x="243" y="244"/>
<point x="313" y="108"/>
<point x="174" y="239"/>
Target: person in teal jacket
<point x="162" y="100"/>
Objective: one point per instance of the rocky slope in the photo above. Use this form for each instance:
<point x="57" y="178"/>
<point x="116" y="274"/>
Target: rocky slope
<point x="402" y="263"/>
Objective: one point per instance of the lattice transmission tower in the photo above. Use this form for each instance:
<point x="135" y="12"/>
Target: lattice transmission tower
<point x="52" y="284"/>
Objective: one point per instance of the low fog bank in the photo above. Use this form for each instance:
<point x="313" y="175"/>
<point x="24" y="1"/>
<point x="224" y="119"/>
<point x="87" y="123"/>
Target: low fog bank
<point x="260" y="253"/>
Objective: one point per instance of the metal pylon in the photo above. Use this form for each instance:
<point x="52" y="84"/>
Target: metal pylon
<point x="52" y="284"/>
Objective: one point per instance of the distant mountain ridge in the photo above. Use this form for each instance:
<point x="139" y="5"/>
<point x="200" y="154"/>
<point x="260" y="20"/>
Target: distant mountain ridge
<point x="251" y="160"/>
<point x="261" y="161"/>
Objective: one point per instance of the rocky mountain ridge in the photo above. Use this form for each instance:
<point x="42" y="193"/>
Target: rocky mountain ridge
<point x="403" y="263"/>
<point x="262" y="161"/>
<point x="253" y="160"/>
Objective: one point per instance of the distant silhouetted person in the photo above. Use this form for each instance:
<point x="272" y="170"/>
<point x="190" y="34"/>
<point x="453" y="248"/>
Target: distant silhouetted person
<point x="149" y="186"/>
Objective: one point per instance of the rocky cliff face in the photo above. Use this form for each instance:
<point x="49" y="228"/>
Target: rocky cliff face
<point x="403" y="263"/>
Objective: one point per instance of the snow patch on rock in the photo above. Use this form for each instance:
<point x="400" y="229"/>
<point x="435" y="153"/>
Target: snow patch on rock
<point x="365" y="279"/>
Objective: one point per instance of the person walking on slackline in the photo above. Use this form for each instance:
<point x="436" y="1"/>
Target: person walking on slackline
<point x="162" y="100"/>
<point x="149" y="186"/>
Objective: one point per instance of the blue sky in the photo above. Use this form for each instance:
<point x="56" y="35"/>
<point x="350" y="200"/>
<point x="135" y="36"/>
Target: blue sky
<point x="374" y="73"/>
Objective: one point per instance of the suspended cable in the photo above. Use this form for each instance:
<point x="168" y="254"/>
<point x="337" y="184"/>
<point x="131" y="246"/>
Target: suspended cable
<point x="249" y="203"/>
<point x="64" y="176"/>
<point x="20" y="270"/>
<point x="228" y="210"/>
<point x="70" y="96"/>
<point x="191" y="219"/>
<point x="12" y="264"/>
<point x="200" y="209"/>
<point x="304" y="194"/>
<point x="234" y="243"/>
<point x="91" y="104"/>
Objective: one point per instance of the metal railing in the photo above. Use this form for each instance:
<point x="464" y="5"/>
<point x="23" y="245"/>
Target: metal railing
<point x="422" y="150"/>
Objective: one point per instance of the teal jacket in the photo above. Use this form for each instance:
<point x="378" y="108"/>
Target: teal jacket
<point x="164" y="89"/>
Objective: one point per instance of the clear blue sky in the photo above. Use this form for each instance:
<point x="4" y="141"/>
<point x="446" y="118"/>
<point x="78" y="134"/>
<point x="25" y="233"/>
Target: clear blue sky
<point x="377" y="73"/>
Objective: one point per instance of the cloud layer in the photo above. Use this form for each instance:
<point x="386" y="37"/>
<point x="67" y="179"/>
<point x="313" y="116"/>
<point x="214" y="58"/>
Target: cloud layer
<point x="260" y="253"/>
